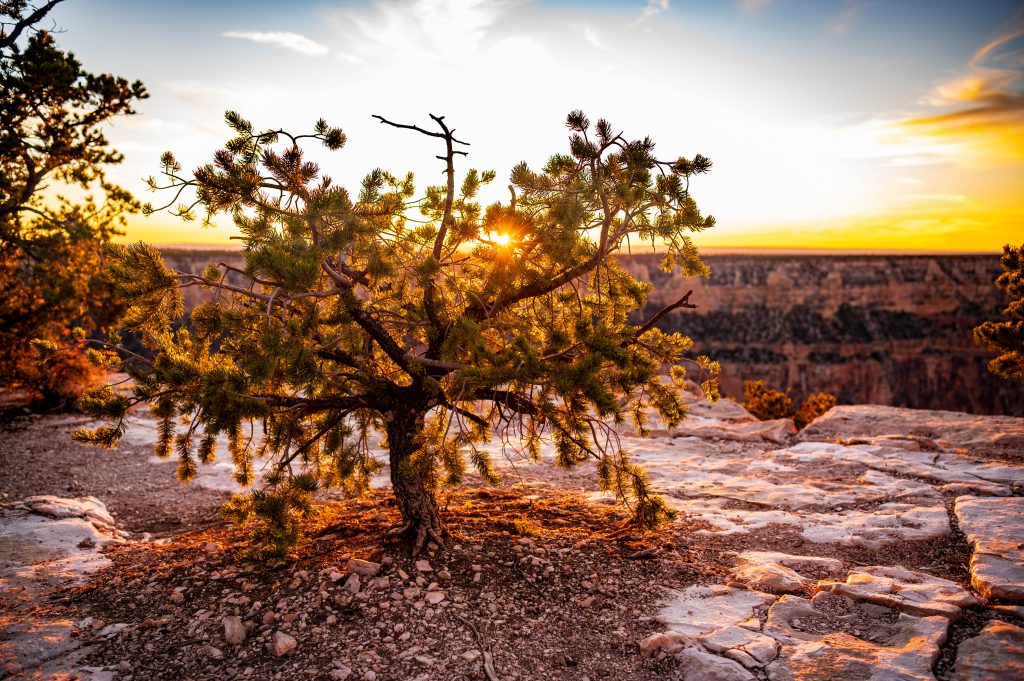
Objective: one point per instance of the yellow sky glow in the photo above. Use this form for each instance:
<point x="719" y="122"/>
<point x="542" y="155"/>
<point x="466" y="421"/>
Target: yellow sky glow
<point x="944" y="172"/>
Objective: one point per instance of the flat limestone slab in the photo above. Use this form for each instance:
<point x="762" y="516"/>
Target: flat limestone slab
<point x="819" y="642"/>
<point x="45" y="543"/>
<point x="995" y="654"/>
<point x="779" y="573"/>
<point x="995" y="530"/>
<point x="909" y="591"/>
<point x="871" y="529"/>
<point x="699" y="610"/>
<point x="948" y="429"/>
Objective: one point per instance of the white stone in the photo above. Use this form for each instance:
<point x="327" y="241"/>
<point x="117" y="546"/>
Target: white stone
<point x="668" y="641"/>
<point x="364" y="568"/>
<point x="234" y="630"/>
<point x="353" y="584"/>
<point x="281" y="644"/>
<point x="342" y="673"/>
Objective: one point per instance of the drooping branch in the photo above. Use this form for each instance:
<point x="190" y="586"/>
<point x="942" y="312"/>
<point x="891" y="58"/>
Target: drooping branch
<point x="331" y="422"/>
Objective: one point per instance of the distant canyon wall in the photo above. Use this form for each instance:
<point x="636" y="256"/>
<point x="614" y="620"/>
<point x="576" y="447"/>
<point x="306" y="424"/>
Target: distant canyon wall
<point x="879" y="329"/>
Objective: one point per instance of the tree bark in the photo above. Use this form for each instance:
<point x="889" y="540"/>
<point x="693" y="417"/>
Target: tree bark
<point x="420" y="517"/>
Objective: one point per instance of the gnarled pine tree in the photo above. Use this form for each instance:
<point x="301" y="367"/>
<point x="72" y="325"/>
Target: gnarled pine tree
<point x="1006" y="338"/>
<point x="356" y="318"/>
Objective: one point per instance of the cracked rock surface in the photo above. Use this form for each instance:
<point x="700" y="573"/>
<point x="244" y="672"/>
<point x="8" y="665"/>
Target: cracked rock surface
<point x="47" y="542"/>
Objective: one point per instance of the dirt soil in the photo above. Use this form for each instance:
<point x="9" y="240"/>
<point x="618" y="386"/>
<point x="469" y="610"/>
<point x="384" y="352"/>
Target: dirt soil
<point x="546" y="590"/>
<point x="37" y="456"/>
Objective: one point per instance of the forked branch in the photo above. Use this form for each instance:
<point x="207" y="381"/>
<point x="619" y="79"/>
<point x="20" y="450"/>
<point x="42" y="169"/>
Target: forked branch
<point x="683" y="302"/>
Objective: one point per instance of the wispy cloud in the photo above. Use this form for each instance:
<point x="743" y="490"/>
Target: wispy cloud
<point x="593" y="38"/>
<point x="653" y="8"/>
<point x="976" y="117"/>
<point x="292" y="41"/>
<point x="455" y="28"/>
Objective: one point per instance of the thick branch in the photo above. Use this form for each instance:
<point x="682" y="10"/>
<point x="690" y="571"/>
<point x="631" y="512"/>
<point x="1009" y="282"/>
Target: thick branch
<point x="314" y="404"/>
<point x="683" y="302"/>
<point x="7" y="40"/>
<point x="429" y="288"/>
<point x="506" y="398"/>
<point x="479" y="311"/>
<point x="363" y="318"/>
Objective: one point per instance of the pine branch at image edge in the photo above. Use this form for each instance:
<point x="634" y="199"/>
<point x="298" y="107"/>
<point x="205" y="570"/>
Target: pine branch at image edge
<point x="1005" y="339"/>
<point x="425" y="319"/>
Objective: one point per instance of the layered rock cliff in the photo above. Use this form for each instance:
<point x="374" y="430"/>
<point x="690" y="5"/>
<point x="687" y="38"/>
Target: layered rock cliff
<point x="882" y="329"/>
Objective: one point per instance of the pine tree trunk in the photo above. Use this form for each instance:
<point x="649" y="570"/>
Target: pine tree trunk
<point x="420" y="517"/>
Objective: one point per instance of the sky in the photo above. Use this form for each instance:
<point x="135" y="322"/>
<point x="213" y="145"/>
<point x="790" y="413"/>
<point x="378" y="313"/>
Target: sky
<point x="846" y="124"/>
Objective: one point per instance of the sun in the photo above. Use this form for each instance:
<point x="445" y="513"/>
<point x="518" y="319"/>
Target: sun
<point x="500" y="238"/>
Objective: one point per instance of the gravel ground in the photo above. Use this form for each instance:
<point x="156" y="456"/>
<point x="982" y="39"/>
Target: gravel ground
<point x="37" y="456"/>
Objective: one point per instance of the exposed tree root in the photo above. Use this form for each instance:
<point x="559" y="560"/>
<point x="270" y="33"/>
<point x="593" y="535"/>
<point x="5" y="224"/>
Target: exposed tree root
<point x="485" y="648"/>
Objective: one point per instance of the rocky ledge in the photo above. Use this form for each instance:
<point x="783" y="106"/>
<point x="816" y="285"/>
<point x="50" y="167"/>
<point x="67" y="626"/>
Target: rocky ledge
<point x="880" y="543"/>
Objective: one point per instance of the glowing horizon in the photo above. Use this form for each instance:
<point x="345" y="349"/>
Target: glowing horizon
<point x="839" y="126"/>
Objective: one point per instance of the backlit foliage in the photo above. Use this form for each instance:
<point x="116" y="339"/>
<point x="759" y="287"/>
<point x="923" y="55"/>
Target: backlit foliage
<point x="766" y="403"/>
<point x="1006" y="338"/>
<point x="52" y="114"/>
<point x="426" y="318"/>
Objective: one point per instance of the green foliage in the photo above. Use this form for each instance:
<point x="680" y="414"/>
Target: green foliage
<point x="52" y="115"/>
<point x="766" y="403"/>
<point x="357" y="318"/>
<point x="1006" y="338"/>
<point x="273" y="517"/>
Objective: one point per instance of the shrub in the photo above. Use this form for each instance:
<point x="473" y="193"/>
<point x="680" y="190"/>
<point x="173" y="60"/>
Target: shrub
<point x="767" y="403"/>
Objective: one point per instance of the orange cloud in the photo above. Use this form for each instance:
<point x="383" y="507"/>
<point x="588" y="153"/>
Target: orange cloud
<point x="982" y="117"/>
